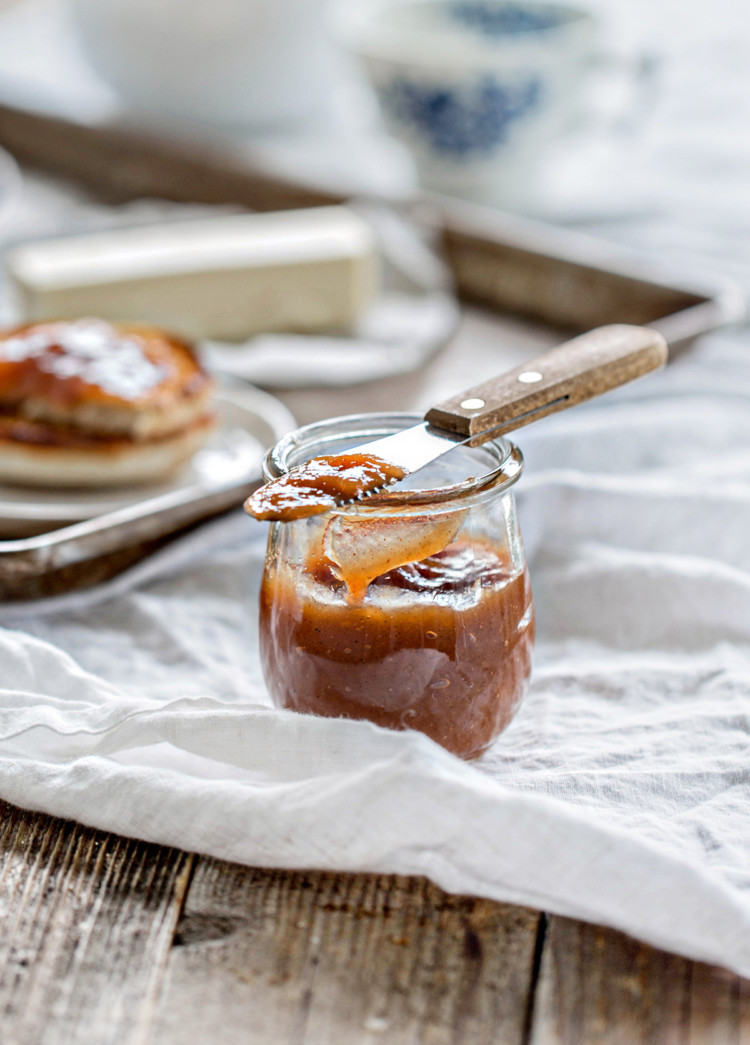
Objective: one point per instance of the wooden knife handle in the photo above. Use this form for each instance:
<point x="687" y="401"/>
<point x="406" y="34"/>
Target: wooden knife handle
<point x="571" y="373"/>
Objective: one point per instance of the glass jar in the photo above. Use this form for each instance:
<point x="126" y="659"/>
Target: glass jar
<point x="411" y="608"/>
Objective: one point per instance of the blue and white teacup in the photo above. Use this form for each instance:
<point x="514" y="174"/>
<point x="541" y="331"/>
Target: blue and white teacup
<point x="475" y="88"/>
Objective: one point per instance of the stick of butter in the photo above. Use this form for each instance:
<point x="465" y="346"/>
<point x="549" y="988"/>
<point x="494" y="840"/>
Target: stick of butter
<point x="228" y="277"/>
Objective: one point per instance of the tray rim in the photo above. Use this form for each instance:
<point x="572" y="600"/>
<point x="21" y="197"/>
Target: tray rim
<point x="721" y="300"/>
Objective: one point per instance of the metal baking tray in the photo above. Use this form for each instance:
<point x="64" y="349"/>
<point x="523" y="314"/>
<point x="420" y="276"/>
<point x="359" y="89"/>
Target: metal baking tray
<point x="546" y="273"/>
<point x="551" y="276"/>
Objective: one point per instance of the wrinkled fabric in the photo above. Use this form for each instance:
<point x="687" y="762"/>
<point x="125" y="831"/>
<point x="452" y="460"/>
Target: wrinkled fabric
<point x="620" y="794"/>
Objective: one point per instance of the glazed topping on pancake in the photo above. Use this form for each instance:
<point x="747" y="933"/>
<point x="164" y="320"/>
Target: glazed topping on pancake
<point x="90" y="360"/>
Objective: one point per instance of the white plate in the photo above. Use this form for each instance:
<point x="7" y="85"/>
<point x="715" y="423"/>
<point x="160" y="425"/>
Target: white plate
<point x="250" y="421"/>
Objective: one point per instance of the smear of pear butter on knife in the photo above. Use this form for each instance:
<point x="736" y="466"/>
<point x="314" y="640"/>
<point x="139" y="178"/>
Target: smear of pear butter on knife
<point x="320" y="484"/>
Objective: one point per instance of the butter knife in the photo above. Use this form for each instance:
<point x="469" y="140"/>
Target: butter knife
<point x="569" y="374"/>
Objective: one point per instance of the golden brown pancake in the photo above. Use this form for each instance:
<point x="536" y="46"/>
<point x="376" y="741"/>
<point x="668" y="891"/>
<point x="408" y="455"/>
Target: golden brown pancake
<point x="87" y="402"/>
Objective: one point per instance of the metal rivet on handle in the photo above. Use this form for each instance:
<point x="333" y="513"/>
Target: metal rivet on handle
<point x="530" y="377"/>
<point x="472" y="404"/>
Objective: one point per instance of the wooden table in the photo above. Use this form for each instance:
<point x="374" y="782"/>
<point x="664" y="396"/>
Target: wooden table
<point x="109" y="940"/>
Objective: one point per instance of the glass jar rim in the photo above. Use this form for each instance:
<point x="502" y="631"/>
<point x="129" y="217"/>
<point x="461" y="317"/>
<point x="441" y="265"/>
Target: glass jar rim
<point x="292" y="449"/>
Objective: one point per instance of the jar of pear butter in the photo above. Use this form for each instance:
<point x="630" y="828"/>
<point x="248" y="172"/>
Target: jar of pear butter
<point x="411" y="608"/>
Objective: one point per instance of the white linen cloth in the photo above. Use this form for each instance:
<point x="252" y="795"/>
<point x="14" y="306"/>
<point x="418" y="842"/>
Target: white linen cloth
<point x="621" y="793"/>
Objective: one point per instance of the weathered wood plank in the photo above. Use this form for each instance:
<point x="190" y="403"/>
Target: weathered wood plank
<point x="282" y="958"/>
<point x="86" y="923"/>
<point x="597" y="985"/>
<point x="718" y="1007"/>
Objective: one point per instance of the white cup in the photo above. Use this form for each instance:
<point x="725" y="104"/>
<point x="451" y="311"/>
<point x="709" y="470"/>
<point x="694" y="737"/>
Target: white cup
<point x="476" y="89"/>
<point x="244" y="63"/>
